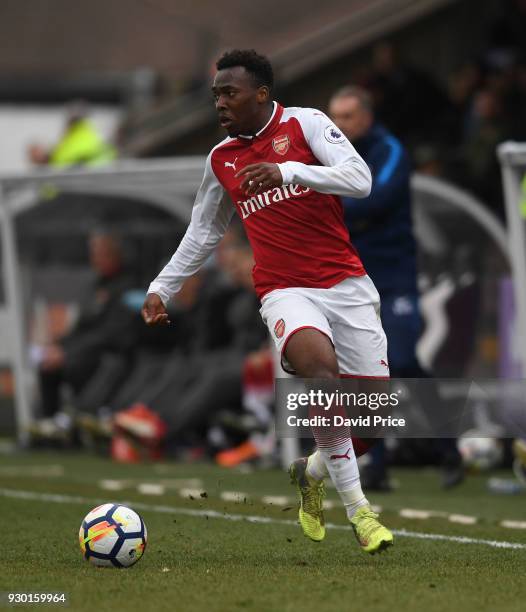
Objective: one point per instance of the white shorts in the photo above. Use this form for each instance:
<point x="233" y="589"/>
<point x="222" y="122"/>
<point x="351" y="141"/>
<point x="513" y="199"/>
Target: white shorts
<point x="348" y="313"/>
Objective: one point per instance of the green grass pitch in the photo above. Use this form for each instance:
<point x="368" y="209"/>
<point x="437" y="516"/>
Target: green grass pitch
<point x="198" y="558"/>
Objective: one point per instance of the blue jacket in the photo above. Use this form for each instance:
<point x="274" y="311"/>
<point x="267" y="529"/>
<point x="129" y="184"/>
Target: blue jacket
<point x="380" y="226"/>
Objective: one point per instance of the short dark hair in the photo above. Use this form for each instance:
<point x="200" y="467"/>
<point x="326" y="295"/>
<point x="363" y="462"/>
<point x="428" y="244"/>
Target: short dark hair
<point x="258" y="65"/>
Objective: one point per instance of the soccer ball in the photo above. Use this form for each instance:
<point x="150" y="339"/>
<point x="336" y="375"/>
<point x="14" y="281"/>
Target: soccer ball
<point x="112" y="535"/>
<point x="479" y="453"/>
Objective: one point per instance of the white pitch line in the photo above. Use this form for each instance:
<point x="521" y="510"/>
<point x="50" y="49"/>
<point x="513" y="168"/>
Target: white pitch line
<point x="128" y="483"/>
<point x="151" y="488"/>
<point x="414" y="514"/>
<point x="403" y="533"/>
<point x="277" y="500"/>
<point x="187" y="492"/>
<point x="513" y="524"/>
<point x="112" y="485"/>
<point x="463" y="519"/>
<point x="458" y="539"/>
<point x="37" y="471"/>
<point x="233" y="496"/>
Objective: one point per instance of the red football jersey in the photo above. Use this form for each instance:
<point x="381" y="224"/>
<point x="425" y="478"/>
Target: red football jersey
<point x="296" y="231"/>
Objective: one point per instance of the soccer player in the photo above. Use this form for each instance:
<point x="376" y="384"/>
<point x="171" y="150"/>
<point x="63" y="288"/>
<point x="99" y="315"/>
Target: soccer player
<point x="284" y="170"/>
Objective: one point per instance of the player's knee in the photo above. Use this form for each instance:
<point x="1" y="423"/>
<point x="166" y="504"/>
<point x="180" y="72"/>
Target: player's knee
<point x="325" y="371"/>
<point x="319" y="369"/>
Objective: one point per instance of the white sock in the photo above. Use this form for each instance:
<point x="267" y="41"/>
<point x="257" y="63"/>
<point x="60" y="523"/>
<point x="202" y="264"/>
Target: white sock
<point x="340" y="462"/>
<point x="316" y="467"/>
<point x="353" y="499"/>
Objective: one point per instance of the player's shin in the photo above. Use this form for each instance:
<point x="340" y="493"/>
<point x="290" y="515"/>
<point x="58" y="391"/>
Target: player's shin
<point x="335" y="449"/>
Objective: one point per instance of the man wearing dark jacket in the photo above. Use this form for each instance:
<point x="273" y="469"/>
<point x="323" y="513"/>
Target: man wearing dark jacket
<point x="381" y="228"/>
<point x="381" y="225"/>
<point x="105" y="325"/>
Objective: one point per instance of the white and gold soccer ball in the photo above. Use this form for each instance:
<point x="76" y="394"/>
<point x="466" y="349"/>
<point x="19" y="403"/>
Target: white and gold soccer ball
<point x="112" y="535"/>
<point x="479" y="451"/>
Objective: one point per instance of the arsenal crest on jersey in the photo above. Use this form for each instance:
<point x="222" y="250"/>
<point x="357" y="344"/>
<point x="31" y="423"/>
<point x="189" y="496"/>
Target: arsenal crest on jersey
<point x="281" y="144"/>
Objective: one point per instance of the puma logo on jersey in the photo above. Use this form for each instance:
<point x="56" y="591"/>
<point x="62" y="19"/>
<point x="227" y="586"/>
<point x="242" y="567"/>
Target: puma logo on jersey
<point x="384" y="363"/>
<point x="231" y="164"/>
<point x="346" y="456"/>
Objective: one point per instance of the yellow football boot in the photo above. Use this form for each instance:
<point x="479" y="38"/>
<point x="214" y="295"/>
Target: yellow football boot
<point x="311" y="494"/>
<point x="371" y="534"/>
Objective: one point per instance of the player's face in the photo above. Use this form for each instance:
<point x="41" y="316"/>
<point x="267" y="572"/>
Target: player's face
<point x="239" y="102"/>
<point x="350" y="116"/>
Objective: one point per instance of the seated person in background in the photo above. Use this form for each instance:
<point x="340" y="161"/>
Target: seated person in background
<point x="105" y="325"/>
<point x="199" y="326"/>
<point x="196" y="385"/>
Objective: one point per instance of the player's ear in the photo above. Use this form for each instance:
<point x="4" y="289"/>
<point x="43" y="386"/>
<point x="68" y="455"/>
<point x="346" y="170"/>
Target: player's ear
<point x="263" y="94"/>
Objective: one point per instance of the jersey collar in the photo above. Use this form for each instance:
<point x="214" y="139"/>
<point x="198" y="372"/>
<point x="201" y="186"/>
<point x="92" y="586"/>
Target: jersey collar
<point x="276" y="112"/>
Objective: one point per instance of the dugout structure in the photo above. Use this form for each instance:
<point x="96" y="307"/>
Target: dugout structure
<point x="167" y="184"/>
<point x="171" y="185"/>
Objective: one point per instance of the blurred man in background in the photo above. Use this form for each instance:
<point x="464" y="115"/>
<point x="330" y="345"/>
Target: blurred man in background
<point x="381" y="228"/>
<point x="105" y="325"/>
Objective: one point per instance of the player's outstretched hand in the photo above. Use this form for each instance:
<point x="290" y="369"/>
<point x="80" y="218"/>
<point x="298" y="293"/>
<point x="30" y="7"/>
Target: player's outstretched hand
<point x="260" y="177"/>
<point x="153" y="311"/>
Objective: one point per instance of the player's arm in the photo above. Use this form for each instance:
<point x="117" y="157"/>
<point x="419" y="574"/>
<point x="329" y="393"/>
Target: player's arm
<point x="391" y="172"/>
<point x="210" y="218"/>
<point x="343" y="171"/>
